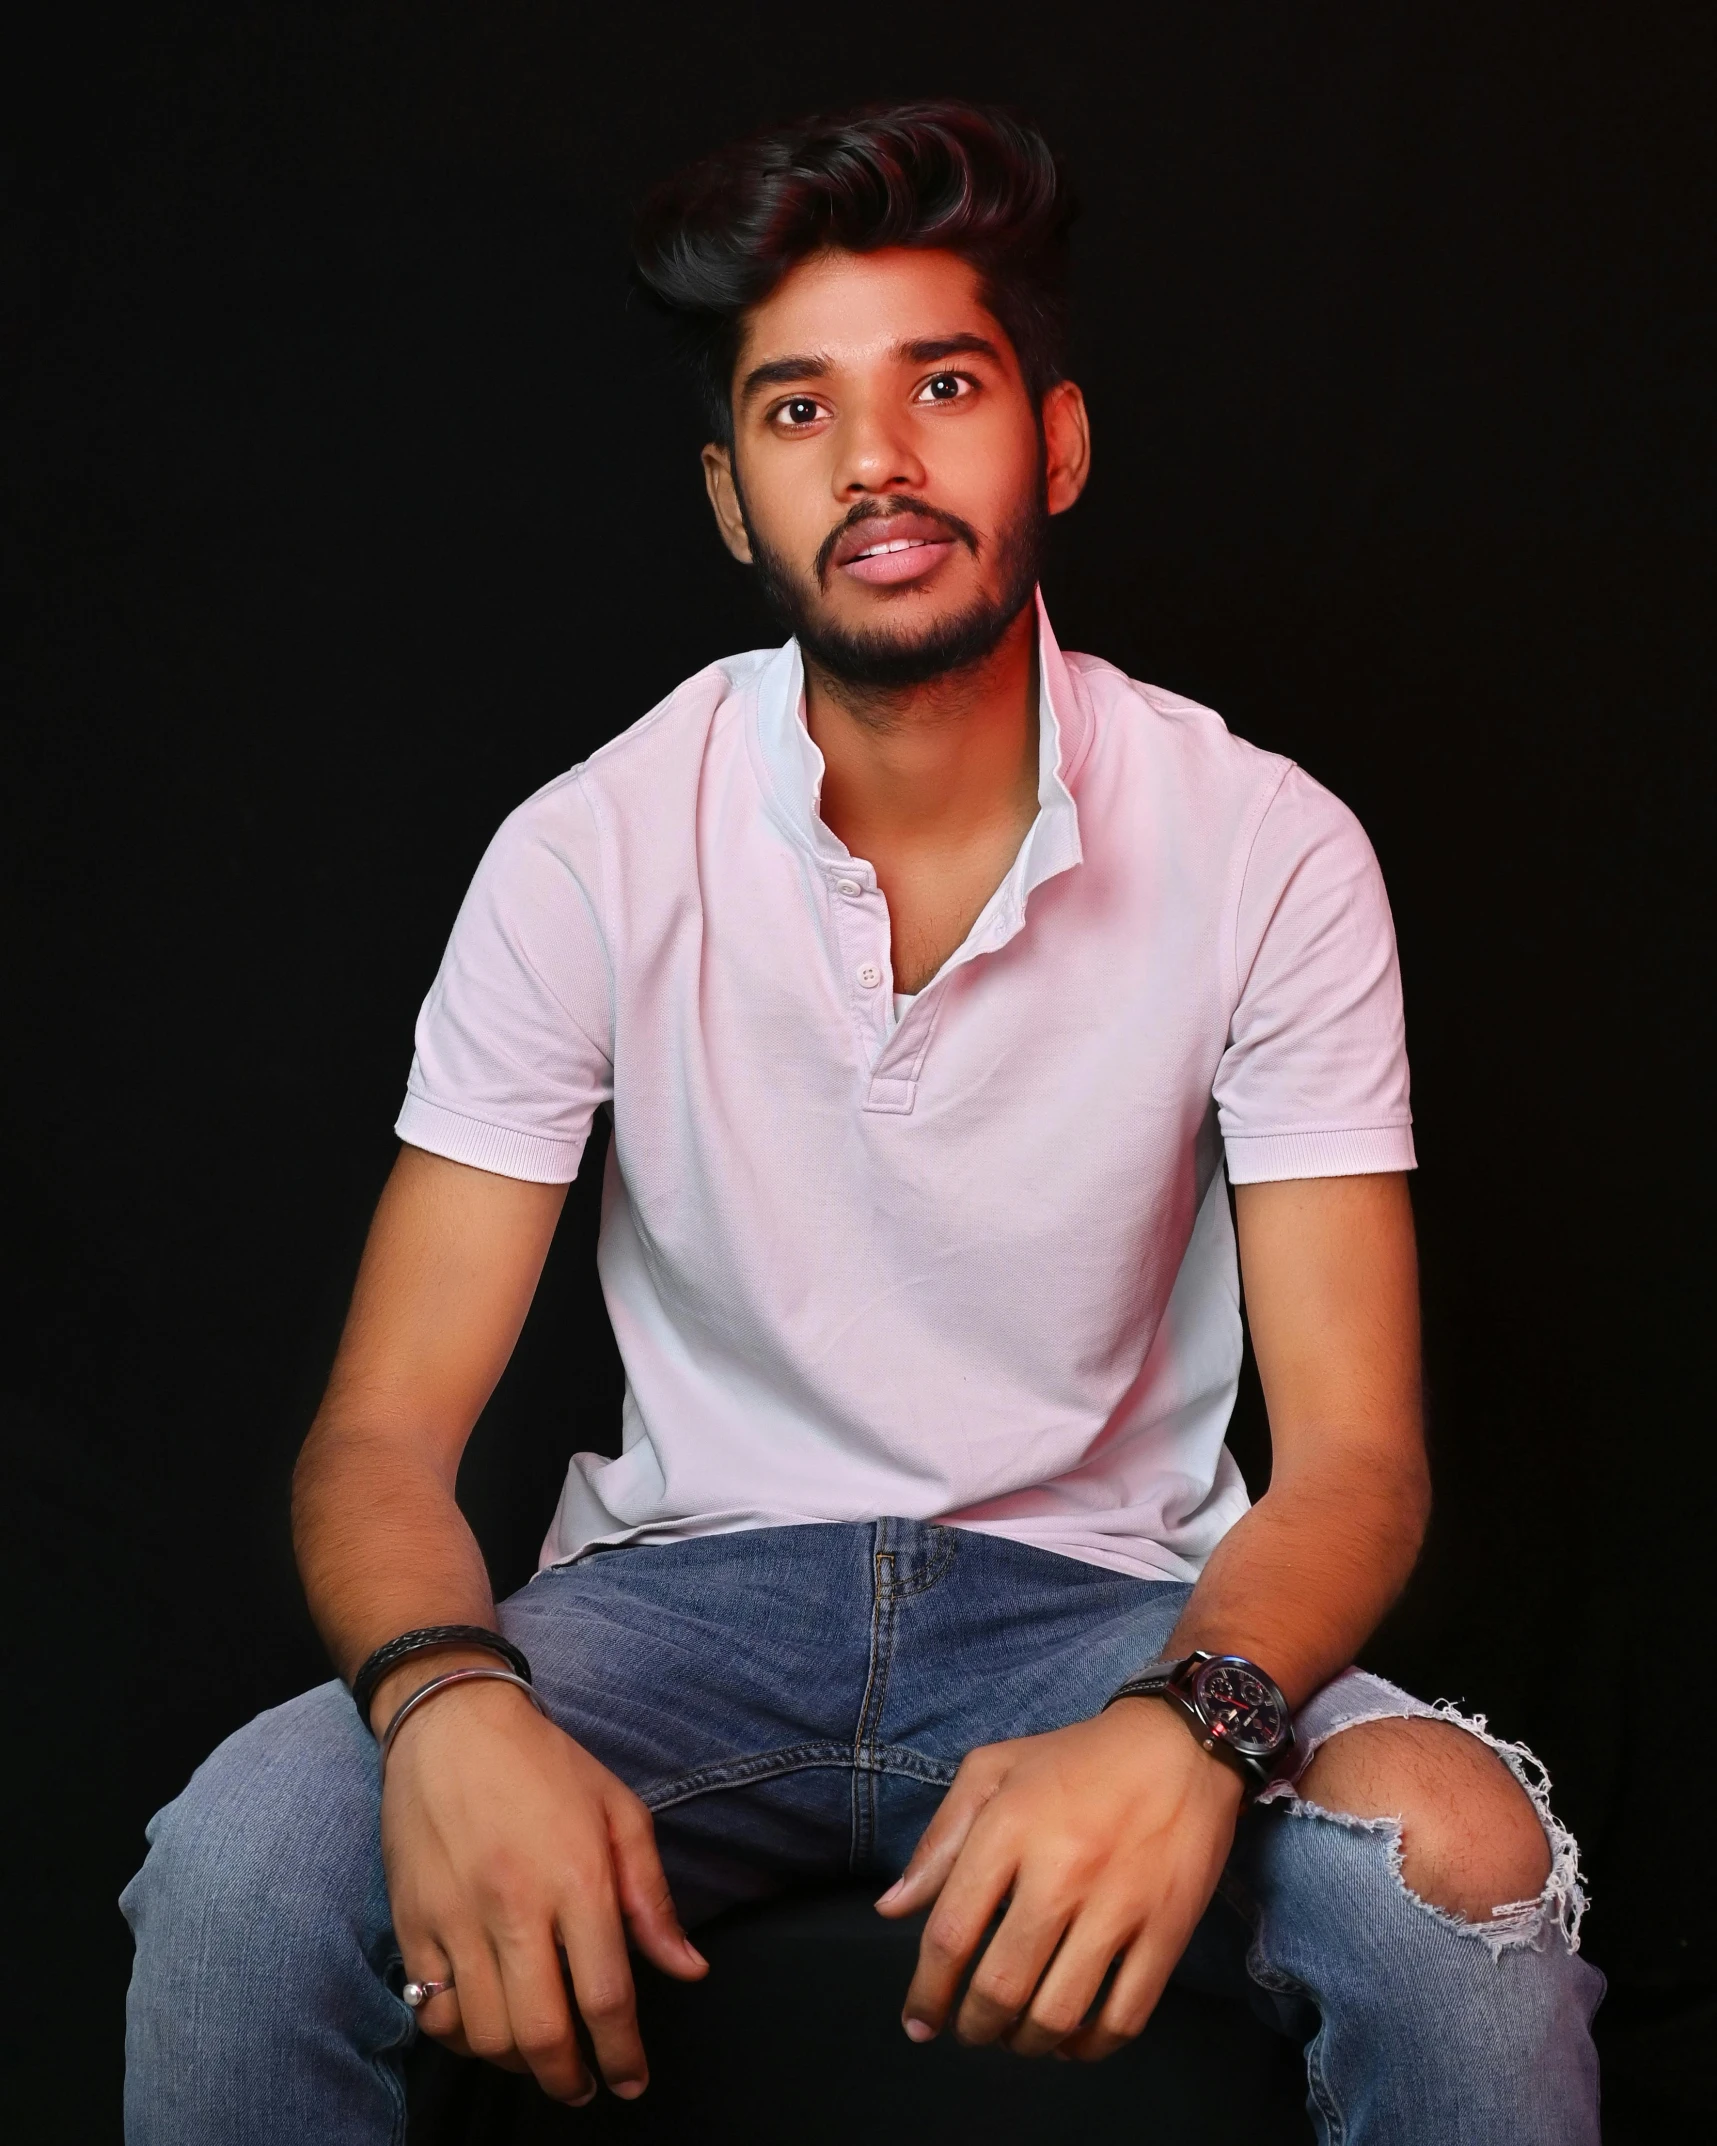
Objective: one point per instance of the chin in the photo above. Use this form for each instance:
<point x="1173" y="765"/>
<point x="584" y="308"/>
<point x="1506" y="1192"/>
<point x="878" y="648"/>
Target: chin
<point x="914" y="633"/>
<point x="893" y="654"/>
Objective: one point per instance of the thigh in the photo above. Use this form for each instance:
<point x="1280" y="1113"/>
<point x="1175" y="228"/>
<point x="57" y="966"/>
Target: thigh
<point x="263" y="2002"/>
<point x="721" y="1679"/>
<point x="987" y="1638"/>
<point x="980" y="1639"/>
<point x="281" y="1821"/>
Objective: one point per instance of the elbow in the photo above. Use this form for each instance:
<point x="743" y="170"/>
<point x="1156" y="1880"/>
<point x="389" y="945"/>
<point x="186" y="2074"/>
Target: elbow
<point x="325" y="1478"/>
<point x="308" y="1474"/>
<point x="1412" y="1509"/>
<point x="1416" y="1496"/>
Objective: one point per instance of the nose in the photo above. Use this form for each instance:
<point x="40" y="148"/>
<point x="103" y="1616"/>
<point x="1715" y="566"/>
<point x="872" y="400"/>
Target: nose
<point x="878" y="453"/>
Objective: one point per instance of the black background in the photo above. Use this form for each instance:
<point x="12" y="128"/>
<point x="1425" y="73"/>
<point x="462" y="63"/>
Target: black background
<point x="348" y="500"/>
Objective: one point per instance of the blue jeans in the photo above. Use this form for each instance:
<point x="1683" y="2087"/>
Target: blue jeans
<point x="791" y="1703"/>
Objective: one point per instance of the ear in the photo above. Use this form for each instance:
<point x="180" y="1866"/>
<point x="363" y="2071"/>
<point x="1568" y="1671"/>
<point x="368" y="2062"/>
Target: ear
<point x="1067" y="445"/>
<point x="724" y="498"/>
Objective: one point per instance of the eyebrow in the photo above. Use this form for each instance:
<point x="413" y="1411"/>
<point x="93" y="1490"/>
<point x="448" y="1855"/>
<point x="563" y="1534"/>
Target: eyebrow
<point x="935" y="347"/>
<point x="814" y="365"/>
<point x="780" y="372"/>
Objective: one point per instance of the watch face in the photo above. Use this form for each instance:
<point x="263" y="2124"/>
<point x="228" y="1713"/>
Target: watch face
<point x="1241" y="1707"/>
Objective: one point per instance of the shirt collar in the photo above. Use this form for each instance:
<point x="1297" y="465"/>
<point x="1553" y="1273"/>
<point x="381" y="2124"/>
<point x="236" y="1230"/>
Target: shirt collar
<point x="793" y="771"/>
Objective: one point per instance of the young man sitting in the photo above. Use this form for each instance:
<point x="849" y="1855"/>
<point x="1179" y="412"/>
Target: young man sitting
<point x="940" y="986"/>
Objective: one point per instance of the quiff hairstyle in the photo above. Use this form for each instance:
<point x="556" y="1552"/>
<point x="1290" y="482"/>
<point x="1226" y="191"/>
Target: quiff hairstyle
<point x="972" y="180"/>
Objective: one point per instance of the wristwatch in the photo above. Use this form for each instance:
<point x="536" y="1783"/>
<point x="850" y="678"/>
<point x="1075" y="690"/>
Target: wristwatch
<point x="1230" y="1705"/>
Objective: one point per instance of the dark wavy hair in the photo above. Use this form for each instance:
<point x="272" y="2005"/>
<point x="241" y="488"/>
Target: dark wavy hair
<point x="715" y="240"/>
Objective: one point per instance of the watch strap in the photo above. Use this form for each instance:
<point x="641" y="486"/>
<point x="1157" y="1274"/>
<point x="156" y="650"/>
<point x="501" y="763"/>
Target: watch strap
<point x="1163" y="1679"/>
<point x="1157" y="1679"/>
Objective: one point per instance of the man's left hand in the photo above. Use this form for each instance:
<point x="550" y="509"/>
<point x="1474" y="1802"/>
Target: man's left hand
<point x="1105" y="1840"/>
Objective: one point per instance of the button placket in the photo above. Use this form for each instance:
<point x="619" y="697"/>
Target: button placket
<point x="860" y="915"/>
<point x="894" y="1075"/>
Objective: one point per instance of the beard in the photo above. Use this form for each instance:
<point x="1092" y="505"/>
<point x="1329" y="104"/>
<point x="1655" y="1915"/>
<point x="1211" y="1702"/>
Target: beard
<point x="876" y="659"/>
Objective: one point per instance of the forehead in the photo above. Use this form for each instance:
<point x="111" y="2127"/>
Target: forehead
<point x="854" y="309"/>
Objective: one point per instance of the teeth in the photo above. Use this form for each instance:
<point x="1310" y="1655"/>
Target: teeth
<point x="900" y="544"/>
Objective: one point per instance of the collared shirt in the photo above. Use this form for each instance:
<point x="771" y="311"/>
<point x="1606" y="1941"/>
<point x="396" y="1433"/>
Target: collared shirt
<point x="971" y="1260"/>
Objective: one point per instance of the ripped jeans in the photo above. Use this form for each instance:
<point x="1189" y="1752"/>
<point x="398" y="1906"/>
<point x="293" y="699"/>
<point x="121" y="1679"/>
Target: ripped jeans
<point x="791" y="1703"/>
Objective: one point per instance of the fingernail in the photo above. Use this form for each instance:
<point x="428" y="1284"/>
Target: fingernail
<point x="691" y="1952"/>
<point x="919" y="2030"/>
<point x="628" y="2089"/>
<point x="884" y="1898"/>
<point x="578" y="2101"/>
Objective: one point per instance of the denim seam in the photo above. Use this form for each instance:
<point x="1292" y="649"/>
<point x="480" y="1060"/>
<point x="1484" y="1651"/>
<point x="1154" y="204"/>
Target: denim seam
<point x="935" y="1571"/>
<point x="1268" y="1977"/>
<point x="388" y="2059"/>
<point x="882" y="1759"/>
<point x="1321" y="2092"/>
<point x="741" y="1772"/>
<point x="882" y="1616"/>
<point x="912" y="1765"/>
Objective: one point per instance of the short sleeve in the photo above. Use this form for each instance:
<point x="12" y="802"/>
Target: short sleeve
<point x="515" y="1040"/>
<point x="1313" y="1082"/>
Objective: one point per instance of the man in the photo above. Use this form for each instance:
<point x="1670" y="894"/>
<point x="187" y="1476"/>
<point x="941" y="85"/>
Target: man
<point x="940" y="985"/>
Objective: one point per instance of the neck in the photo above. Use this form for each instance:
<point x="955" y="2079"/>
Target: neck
<point x="941" y="759"/>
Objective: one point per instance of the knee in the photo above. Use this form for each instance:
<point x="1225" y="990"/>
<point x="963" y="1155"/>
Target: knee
<point x="245" y="1843"/>
<point x="208" y="1848"/>
<point x="211" y="1862"/>
<point x="1471" y="1840"/>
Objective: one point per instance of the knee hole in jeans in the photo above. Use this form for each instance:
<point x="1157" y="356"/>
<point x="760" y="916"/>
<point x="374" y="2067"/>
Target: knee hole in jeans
<point x="1471" y="1840"/>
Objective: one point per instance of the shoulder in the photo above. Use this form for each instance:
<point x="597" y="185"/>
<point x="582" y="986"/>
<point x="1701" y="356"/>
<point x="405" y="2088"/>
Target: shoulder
<point x="1149" y="719"/>
<point x="1217" y="811"/>
<point x="677" y="733"/>
<point x="663" y="751"/>
<point x="1160" y="754"/>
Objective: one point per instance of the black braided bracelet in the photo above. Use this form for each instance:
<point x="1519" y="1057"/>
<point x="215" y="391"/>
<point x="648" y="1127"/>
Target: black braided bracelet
<point x="420" y="1642"/>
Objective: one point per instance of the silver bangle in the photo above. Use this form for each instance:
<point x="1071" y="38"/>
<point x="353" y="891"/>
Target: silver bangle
<point x="445" y="1683"/>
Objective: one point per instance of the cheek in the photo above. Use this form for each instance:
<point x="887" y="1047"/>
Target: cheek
<point x="789" y="500"/>
<point x="986" y="473"/>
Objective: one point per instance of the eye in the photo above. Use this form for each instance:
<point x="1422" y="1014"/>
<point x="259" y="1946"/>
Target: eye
<point x="946" y="387"/>
<point x="796" y="413"/>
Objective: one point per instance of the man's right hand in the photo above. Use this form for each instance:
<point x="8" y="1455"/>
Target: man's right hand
<point x="506" y="1846"/>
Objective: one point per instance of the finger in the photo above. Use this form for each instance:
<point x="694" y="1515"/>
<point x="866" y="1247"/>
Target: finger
<point x="539" y="2019"/>
<point x="602" y="1988"/>
<point x="485" y="2029"/>
<point x="940" y="1844"/>
<point x="645" y="1899"/>
<point x="968" y="1900"/>
<point x="1069" y="1987"/>
<point x="1139" y="1982"/>
<point x="1005" y="1979"/>
<point x="439" y="2015"/>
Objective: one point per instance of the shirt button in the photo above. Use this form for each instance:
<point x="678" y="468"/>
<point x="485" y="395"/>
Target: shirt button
<point x="848" y="887"/>
<point x="868" y="974"/>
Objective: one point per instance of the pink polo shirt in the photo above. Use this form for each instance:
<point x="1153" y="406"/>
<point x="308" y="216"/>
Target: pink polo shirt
<point x="972" y="1261"/>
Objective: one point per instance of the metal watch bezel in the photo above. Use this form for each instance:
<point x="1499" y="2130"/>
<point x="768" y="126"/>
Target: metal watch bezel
<point x="1196" y="1672"/>
<point x="1176" y="1681"/>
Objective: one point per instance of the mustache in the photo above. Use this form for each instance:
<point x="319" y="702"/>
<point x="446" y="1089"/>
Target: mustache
<point x="875" y="510"/>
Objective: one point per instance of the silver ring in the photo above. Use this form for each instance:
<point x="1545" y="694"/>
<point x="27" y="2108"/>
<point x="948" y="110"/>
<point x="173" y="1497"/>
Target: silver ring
<point x="419" y="1993"/>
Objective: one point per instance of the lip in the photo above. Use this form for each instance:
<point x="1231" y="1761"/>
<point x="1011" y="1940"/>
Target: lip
<point x="920" y="556"/>
<point x="891" y="548"/>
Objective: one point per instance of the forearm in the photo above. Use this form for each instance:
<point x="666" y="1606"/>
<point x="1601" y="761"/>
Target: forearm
<point x="447" y="1276"/>
<point x="382" y="1549"/>
<point x="1332" y="1299"/>
<point x="1300" y="1583"/>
